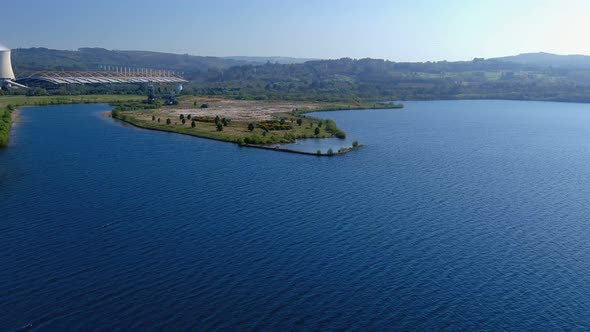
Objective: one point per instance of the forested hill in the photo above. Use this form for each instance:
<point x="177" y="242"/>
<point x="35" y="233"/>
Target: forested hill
<point x="525" y="77"/>
<point x="386" y="80"/>
<point x="550" y="60"/>
<point x="93" y="58"/>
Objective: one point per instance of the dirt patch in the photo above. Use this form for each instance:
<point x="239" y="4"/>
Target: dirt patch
<point x="15" y="115"/>
<point x="237" y="110"/>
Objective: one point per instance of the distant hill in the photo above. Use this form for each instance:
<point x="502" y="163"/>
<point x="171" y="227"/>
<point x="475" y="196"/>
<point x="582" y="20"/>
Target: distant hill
<point x="25" y="59"/>
<point x="536" y="76"/>
<point x="550" y="60"/>
<point x="271" y="59"/>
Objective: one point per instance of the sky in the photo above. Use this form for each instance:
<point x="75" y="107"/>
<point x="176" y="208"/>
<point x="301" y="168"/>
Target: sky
<point x="412" y="30"/>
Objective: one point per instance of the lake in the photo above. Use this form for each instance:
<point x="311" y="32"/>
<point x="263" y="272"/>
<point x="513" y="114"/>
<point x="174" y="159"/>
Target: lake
<point x="456" y="215"/>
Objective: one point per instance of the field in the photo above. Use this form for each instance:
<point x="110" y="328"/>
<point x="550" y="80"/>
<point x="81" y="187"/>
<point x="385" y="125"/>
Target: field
<point x="18" y="101"/>
<point x="237" y="110"/>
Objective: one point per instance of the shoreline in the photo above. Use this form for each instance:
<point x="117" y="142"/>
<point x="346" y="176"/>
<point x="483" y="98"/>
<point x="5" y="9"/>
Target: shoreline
<point x="10" y="107"/>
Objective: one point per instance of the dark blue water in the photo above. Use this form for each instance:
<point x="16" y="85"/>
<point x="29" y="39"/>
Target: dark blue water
<point x="457" y="215"/>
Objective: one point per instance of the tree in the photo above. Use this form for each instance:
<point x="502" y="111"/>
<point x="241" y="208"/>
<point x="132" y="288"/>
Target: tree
<point x="158" y="119"/>
<point x="153" y="118"/>
<point x="217" y="119"/>
<point x="168" y="121"/>
<point x="188" y="116"/>
<point x="316" y="131"/>
<point x="299" y="122"/>
<point x="181" y="116"/>
<point x="330" y="152"/>
<point x="318" y="152"/>
<point x="41" y="92"/>
<point x="195" y="103"/>
<point x="355" y="144"/>
<point x="219" y="127"/>
<point x="250" y="126"/>
<point x="224" y="121"/>
<point x="183" y="121"/>
<point x="193" y="124"/>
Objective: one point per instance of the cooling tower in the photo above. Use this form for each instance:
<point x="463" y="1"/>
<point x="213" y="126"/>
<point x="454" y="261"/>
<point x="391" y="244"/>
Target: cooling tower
<point x="5" y="65"/>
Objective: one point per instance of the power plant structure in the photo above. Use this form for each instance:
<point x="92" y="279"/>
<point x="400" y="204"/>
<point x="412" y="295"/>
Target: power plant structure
<point x="7" y="78"/>
<point x="107" y="75"/>
<point x="114" y="75"/>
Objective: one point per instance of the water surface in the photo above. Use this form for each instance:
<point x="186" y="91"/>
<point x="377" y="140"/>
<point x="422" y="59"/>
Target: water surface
<point x="457" y="215"/>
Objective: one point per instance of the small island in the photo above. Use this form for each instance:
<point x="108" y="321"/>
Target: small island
<point x="253" y="123"/>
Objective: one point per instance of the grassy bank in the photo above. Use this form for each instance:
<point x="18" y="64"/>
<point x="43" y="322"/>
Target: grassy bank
<point x="11" y="103"/>
<point x="350" y="106"/>
<point x="5" y="124"/>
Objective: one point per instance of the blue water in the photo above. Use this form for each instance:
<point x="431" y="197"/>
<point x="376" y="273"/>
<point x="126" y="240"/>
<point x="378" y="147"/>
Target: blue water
<point x="457" y="215"/>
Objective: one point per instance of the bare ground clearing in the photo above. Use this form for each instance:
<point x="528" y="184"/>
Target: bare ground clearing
<point x="236" y="110"/>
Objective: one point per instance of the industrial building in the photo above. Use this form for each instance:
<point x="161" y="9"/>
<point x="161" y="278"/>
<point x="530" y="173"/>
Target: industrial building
<point x="117" y="76"/>
<point x="109" y="75"/>
<point x="6" y="74"/>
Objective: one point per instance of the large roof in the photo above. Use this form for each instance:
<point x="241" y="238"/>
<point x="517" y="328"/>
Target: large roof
<point x="101" y="77"/>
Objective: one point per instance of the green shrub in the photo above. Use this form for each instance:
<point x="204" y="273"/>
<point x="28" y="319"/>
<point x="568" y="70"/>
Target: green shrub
<point x="274" y="125"/>
<point x="330" y="152"/>
<point x="5" y="123"/>
<point x="334" y="130"/>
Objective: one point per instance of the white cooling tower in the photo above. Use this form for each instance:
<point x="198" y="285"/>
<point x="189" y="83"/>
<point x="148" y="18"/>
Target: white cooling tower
<point x="5" y="65"/>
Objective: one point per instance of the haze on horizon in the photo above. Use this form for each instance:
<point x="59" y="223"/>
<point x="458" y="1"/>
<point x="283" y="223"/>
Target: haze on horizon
<point x="423" y="30"/>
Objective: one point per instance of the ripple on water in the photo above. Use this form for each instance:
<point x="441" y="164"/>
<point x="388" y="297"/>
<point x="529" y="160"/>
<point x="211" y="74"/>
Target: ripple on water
<point x="457" y="215"/>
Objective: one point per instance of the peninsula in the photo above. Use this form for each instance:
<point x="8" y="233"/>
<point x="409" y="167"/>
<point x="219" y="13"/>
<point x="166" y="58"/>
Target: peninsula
<point x="251" y="123"/>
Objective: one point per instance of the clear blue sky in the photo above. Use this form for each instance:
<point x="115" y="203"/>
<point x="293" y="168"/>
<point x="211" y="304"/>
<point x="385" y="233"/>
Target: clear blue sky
<point x="413" y="30"/>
